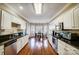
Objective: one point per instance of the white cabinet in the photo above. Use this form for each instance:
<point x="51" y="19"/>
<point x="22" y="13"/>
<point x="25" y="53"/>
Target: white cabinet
<point x="68" y="20"/>
<point x="66" y="49"/>
<point x="76" y="17"/>
<point x="71" y="19"/>
<point x="6" y="20"/>
<point x="1" y="49"/>
<point x="24" y="41"/>
<point x="60" y="47"/>
<point x="21" y="42"/>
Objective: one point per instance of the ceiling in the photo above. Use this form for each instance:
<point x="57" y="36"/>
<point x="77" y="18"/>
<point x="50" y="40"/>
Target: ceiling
<point x="48" y="11"/>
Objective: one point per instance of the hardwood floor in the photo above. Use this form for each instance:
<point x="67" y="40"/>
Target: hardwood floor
<point x="37" y="48"/>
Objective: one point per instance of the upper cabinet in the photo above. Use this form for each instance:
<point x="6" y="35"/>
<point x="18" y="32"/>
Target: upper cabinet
<point x="6" y="20"/>
<point x="68" y="20"/>
<point x="71" y="19"/>
<point x="76" y="17"/>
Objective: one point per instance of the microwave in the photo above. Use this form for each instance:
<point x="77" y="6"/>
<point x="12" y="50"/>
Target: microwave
<point x="59" y="26"/>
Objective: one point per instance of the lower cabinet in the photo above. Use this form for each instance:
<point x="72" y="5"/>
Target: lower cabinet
<point x="24" y="41"/>
<point x="1" y="49"/>
<point x="66" y="49"/>
<point x="21" y="42"/>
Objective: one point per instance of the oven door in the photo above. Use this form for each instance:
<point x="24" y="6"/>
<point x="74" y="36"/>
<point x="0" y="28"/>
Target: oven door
<point x="55" y="43"/>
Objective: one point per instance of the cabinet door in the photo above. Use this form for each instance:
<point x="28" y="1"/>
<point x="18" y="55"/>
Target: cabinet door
<point x="5" y="23"/>
<point x="19" y="45"/>
<point x="68" y="19"/>
<point x="21" y="42"/>
<point x="2" y="50"/>
<point x="24" y="41"/>
<point x="61" y="47"/>
<point x="76" y="18"/>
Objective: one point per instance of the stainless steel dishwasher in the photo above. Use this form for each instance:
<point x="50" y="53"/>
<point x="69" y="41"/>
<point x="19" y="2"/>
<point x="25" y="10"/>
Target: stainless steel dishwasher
<point x="10" y="48"/>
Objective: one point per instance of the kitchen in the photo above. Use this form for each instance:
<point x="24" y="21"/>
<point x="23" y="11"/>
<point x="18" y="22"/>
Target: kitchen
<point x="58" y="23"/>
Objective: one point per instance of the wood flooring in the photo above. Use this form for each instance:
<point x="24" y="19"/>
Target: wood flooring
<point x="27" y="50"/>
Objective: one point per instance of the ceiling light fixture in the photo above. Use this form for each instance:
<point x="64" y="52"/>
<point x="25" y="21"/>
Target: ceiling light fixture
<point x="38" y="8"/>
<point x="21" y="7"/>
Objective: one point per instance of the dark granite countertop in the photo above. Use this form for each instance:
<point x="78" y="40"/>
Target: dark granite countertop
<point x="5" y="36"/>
<point x="74" y="31"/>
<point x="2" y="43"/>
<point x="72" y="43"/>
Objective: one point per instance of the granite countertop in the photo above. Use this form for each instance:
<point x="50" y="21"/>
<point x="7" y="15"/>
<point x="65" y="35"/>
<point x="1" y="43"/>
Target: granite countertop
<point x="74" y="44"/>
<point x="2" y="43"/>
<point x="8" y="33"/>
<point x="6" y="42"/>
<point x="77" y="32"/>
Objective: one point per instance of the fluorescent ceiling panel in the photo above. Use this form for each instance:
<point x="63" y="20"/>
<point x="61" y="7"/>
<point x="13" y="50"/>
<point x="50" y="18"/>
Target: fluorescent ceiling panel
<point x="38" y="8"/>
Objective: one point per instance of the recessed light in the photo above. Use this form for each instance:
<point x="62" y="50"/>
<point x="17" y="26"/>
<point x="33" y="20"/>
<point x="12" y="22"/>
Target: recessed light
<point x="21" y="8"/>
